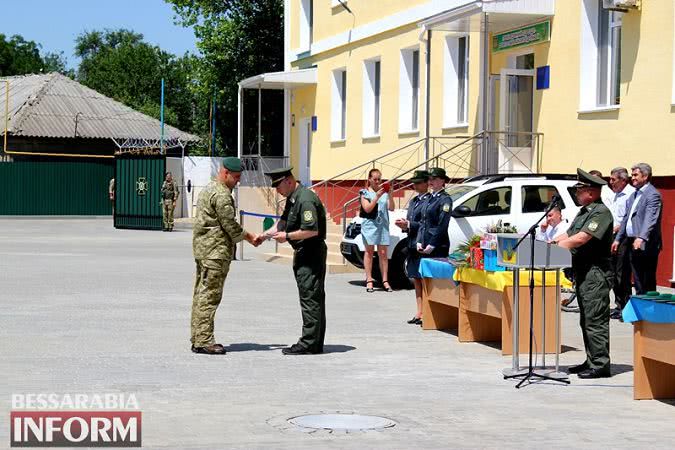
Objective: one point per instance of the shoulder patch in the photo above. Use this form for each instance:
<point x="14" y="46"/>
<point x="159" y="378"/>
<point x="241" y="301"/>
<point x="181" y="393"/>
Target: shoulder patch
<point x="308" y="216"/>
<point x="593" y="226"/>
<point x="446" y="208"/>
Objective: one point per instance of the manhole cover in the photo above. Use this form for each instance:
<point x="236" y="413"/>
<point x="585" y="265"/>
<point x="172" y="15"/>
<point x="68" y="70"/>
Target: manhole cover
<point x="348" y="422"/>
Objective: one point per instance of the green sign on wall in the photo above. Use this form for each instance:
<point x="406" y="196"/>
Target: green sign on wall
<point x="521" y="37"/>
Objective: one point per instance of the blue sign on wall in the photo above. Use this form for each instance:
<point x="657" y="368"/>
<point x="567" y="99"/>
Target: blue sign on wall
<point x="543" y="77"/>
<point x="314" y="123"/>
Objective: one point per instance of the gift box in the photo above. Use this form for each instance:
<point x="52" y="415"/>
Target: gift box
<point x="477" y="258"/>
<point x="490" y="261"/>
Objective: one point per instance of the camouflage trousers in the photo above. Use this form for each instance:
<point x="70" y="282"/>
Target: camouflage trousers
<point x="208" y="292"/>
<point x="167" y="213"/>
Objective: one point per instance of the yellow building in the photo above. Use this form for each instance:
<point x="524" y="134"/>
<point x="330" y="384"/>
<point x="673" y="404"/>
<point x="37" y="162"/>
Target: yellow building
<point x="541" y="85"/>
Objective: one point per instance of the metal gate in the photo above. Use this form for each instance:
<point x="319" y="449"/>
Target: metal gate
<point x="138" y="181"/>
<point x="58" y="188"/>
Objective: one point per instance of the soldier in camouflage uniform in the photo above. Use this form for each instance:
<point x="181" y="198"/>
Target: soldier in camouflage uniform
<point x="169" y="197"/>
<point x="589" y="239"/>
<point x="214" y="237"/>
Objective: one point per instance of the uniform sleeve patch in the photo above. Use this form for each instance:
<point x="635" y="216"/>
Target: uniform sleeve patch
<point x="308" y="216"/>
<point x="593" y="226"/>
<point x="446" y="208"/>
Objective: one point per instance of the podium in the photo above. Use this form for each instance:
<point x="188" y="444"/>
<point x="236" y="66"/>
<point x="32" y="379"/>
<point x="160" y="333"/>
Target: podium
<point x="547" y="257"/>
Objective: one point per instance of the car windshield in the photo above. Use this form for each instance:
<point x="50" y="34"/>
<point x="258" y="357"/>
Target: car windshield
<point x="458" y="190"/>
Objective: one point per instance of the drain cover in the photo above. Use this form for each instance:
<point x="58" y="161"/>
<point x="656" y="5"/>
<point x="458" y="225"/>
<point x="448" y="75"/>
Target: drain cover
<point x="347" y="422"/>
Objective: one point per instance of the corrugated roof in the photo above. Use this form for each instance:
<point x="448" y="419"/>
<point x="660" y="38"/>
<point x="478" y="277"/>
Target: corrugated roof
<point x="48" y="105"/>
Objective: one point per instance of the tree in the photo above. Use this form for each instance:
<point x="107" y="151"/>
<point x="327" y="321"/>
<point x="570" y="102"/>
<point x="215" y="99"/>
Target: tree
<point x="237" y="39"/>
<point x="20" y="57"/>
<point x="120" y="65"/>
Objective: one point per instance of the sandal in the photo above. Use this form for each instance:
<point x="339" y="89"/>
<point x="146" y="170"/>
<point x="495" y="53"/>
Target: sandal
<point x="386" y="286"/>
<point x="369" y="286"/>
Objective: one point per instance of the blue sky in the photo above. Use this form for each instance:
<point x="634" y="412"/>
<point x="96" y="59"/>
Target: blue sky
<point x="56" y="23"/>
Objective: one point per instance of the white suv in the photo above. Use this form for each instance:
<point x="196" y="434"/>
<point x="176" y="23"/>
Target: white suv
<point x="477" y="202"/>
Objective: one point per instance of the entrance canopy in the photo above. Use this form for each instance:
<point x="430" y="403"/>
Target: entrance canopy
<point x="280" y="80"/>
<point x="502" y="15"/>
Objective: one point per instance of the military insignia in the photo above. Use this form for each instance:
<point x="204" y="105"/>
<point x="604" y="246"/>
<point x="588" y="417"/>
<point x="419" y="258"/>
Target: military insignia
<point x="446" y="208"/>
<point x="141" y="186"/>
<point x="308" y="216"/>
<point x="593" y="226"/>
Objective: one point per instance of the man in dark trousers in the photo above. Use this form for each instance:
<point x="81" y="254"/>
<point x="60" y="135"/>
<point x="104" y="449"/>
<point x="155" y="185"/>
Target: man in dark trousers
<point x="589" y="239"/>
<point x="641" y="226"/>
<point x="432" y="239"/>
<point x="303" y="226"/>
<point x="411" y="224"/>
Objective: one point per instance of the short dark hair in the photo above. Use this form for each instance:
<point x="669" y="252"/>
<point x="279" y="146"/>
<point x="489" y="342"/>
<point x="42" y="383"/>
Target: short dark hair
<point x="596" y="173"/>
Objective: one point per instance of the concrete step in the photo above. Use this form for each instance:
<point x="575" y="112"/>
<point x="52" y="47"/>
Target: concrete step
<point x="331" y="267"/>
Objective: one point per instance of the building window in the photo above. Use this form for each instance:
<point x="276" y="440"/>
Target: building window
<point x="371" y="98"/>
<point x="609" y="57"/>
<point x="600" y="56"/>
<point x="306" y="24"/>
<point x="339" y="105"/>
<point x="456" y="81"/>
<point x="409" y="90"/>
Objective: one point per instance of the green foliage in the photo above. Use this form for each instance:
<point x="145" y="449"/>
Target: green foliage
<point x="237" y="39"/>
<point x="21" y="57"/>
<point x="120" y="65"/>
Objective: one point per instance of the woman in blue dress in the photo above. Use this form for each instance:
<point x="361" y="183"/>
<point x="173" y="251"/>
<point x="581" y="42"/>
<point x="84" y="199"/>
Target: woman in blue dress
<point x="375" y="206"/>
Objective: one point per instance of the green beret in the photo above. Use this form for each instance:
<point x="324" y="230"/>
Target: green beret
<point x="279" y="175"/>
<point x="232" y="164"/>
<point x="438" y="172"/>
<point x="420" y="176"/>
<point x="588" y="180"/>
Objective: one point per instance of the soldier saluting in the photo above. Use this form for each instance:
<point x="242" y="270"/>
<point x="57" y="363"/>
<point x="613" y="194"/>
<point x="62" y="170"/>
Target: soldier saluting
<point x="303" y="226"/>
<point x="589" y="239"/>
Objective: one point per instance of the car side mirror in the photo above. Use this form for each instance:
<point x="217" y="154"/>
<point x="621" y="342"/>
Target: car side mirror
<point x="461" y="211"/>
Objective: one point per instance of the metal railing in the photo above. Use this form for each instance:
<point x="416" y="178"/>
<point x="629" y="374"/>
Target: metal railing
<point x="510" y="150"/>
<point x="253" y="173"/>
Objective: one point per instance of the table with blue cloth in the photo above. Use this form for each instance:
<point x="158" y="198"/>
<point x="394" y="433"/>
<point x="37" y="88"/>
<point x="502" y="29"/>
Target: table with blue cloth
<point x="653" y="322"/>
<point x="479" y="304"/>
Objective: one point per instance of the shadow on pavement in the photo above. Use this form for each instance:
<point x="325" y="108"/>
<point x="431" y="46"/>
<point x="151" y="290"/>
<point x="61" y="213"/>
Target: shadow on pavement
<point x="337" y="348"/>
<point x="252" y="347"/>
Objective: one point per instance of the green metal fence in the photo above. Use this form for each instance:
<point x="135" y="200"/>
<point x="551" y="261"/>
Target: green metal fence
<point x="70" y="187"/>
<point x="138" y="181"/>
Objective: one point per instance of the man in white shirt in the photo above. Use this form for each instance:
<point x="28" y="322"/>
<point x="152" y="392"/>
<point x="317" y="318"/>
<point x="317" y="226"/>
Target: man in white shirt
<point x="606" y="194"/>
<point x="619" y="181"/>
<point x="553" y="226"/>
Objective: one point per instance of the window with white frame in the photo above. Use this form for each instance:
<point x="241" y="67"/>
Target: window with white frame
<point x="371" y="98"/>
<point x="600" y="56"/>
<point x="456" y="81"/>
<point x="306" y="24"/>
<point x="409" y="90"/>
<point x="339" y="105"/>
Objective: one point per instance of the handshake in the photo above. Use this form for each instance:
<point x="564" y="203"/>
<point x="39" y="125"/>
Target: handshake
<point x="256" y="240"/>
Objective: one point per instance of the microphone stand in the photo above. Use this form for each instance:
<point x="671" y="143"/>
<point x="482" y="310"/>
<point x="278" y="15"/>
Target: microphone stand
<point x="532" y="232"/>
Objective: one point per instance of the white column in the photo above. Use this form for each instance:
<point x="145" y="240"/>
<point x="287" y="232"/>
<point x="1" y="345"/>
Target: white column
<point x="240" y="122"/>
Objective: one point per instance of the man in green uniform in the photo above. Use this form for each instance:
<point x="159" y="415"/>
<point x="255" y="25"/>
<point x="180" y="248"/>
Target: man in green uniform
<point x="303" y="226"/>
<point x="589" y="239"/>
<point x="214" y="237"/>
<point x="169" y="197"/>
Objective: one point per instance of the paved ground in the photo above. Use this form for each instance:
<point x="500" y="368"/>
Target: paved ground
<point x="89" y="309"/>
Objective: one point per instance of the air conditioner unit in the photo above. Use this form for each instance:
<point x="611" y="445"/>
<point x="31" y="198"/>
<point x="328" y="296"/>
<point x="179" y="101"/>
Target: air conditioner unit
<point x="621" y="5"/>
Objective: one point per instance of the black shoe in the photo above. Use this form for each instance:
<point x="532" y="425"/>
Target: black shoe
<point x="369" y="286"/>
<point x="615" y="314"/>
<point x="296" y="349"/>
<point x="414" y="321"/>
<point x="215" y="349"/>
<point x="578" y="369"/>
<point x="595" y="373"/>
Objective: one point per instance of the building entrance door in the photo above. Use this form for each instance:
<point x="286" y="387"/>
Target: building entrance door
<point x="305" y="144"/>
<point x="515" y="140"/>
